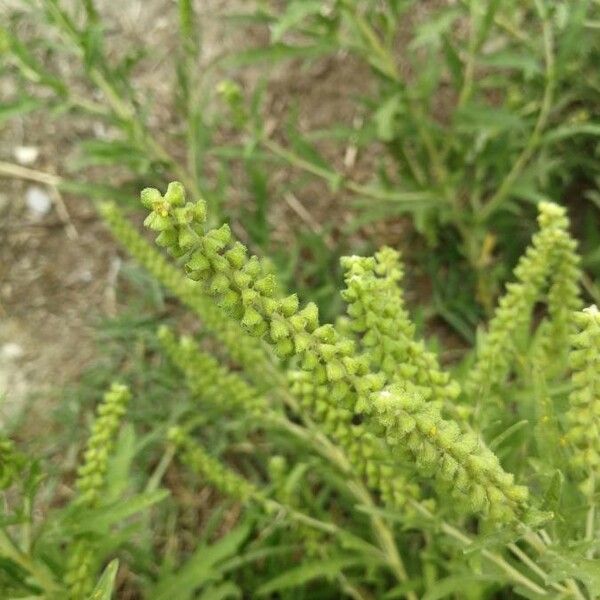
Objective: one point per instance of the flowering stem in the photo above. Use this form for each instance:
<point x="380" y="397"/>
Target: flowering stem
<point x="358" y="490"/>
<point x="512" y="573"/>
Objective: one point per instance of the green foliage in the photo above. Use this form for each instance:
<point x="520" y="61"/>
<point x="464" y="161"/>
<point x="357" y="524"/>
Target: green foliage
<point x="268" y="452"/>
<point x="489" y="108"/>
<point x="363" y="465"/>
<point x="483" y="108"/>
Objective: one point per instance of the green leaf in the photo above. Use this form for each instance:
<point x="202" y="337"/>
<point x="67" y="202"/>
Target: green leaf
<point x="119" y="466"/>
<point x="79" y="520"/>
<point x="553" y="492"/>
<point x="201" y="568"/>
<point x="502" y="437"/>
<point x="277" y="52"/>
<point x="508" y="59"/>
<point x="564" y="564"/>
<point x="296" y="11"/>
<point x="104" y="587"/>
<point x="308" y="152"/>
<point x="431" y="31"/>
<point x="112" y="152"/>
<point x="306" y="572"/>
<point x="492" y="119"/>
<point x="18" y="108"/>
<point x="567" y="131"/>
<point x="260" y="554"/>
<point x="385" y="116"/>
<point x="219" y="592"/>
<point x="463" y="584"/>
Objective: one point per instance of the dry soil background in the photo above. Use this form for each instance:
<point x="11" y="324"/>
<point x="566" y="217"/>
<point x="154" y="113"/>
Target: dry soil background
<point x="58" y="266"/>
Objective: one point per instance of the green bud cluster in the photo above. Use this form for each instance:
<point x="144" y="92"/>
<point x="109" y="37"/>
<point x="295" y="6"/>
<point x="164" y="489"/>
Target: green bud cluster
<point x="549" y="254"/>
<point x="377" y="312"/>
<point x="91" y="474"/>
<point x="79" y="576"/>
<point x="458" y="460"/>
<point x="201" y="463"/>
<point x="90" y="481"/>
<point x="231" y="93"/>
<point x="368" y="457"/>
<point x="246" y="287"/>
<point x="583" y="416"/>
<point x="564" y="297"/>
<point x="245" y="350"/>
<point x="208" y="378"/>
<point x="242" y="286"/>
<point x="11" y="463"/>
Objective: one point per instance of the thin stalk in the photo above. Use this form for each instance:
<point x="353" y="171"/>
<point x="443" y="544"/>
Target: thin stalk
<point x="19" y="172"/>
<point x="295" y="515"/>
<point x="190" y="48"/>
<point x="123" y="110"/>
<point x="513" y="574"/>
<point x="39" y="572"/>
<point x="467" y="86"/>
<point x="299" y="162"/>
<point x="388" y="67"/>
<point x="160" y="470"/>
<point x="351" y="589"/>
<point x="590" y="522"/>
<point x="336" y="179"/>
<point x="496" y="200"/>
<point x="540" y="544"/>
<point x="527" y="560"/>
<point x="126" y="113"/>
<point x="336" y="456"/>
<point x="385" y="537"/>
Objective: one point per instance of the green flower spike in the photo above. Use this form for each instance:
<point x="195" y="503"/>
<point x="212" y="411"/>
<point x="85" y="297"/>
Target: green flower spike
<point x="460" y="461"/>
<point x="243" y="349"/>
<point x="90" y="482"/>
<point x="221" y="477"/>
<point x="377" y="313"/>
<point x="550" y="255"/>
<point x="322" y="352"/>
<point x="208" y="379"/>
<point x="583" y="416"/>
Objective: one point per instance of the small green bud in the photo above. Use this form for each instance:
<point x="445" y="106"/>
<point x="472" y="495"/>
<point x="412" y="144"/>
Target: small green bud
<point x="186" y="238"/>
<point x="279" y="330"/>
<point x="236" y="256"/>
<point x="197" y="262"/>
<point x="175" y="194"/>
<point x="265" y="285"/>
<point x="289" y="305"/>
<point x="252" y="319"/>
<point x="157" y="221"/>
<point x="219" y="284"/>
<point x="199" y="208"/>
<point x="150" y="197"/>
<point x="284" y="347"/>
<point x="335" y="370"/>
<point x="167" y="237"/>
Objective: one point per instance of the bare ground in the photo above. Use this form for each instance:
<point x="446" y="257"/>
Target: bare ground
<point x="59" y="270"/>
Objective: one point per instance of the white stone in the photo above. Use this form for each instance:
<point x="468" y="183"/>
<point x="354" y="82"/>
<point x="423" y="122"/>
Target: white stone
<point x="38" y="201"/>
<point x="11" y="351"/>
<point x="26" y="155"/>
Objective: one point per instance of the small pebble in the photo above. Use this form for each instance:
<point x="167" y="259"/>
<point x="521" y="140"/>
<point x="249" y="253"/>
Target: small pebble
<point x="26" y="155"/>
<point x="38" y="201"/>
<point x="11" y="351"/>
